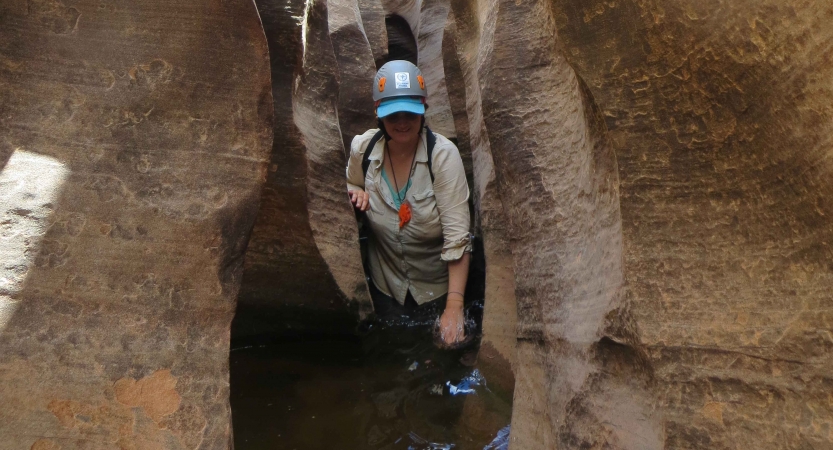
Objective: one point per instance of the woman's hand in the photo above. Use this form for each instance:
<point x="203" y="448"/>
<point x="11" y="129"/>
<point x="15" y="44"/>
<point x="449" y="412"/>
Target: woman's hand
<point x="452" y="322"/>
<point x="360" y="199"/>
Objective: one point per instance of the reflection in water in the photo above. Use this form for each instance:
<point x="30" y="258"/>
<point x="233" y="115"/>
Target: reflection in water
<point x="30" y="184"/>
<point x="390" y="389"/>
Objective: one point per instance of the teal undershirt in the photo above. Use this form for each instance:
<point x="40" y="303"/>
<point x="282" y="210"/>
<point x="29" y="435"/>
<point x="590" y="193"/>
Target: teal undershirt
<point x="396" y="198"/>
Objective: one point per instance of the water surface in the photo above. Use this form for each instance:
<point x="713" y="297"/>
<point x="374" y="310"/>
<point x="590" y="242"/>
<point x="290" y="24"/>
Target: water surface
<point x="390" y="389"/>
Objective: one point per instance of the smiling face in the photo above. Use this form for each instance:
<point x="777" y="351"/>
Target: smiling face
<point x="403" y="127"/>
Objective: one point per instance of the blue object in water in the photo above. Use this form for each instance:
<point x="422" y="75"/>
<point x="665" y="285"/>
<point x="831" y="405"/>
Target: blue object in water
<point x="425" y="445"/>
<point x="501" y="441"/>
<point x="467" y="384"/>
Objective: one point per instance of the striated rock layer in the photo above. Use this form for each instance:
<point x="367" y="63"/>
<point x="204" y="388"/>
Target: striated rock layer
<point x="720" y="113"/>
<point x="580" y="377"/>
<point x="133" y="146"/>
<point x="497" y="348"/>
<point x="373" y="24"/>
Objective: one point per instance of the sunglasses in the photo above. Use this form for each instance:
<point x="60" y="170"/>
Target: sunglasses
<point x="401" y="117"/>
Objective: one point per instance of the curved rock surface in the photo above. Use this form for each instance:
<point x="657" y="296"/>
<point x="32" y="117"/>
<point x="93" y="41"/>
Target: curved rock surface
<point x="497" y="348"/>
<point x="373" y="24"/>
<point x="721" y="119"/>
<point x="133" y="145"/>
<point x="579" y="377"/>
<point x="315" y="111"/>
<point x="356" y="70"/>
<point x="651" y="181"/>
<point x="303" y="269"/>
<point x="432" y="23"/>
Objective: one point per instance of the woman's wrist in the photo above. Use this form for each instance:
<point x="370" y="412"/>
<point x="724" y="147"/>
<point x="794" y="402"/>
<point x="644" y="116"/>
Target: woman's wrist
<point x="454" y="299"/>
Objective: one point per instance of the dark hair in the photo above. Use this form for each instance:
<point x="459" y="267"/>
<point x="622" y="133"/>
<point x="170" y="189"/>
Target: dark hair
<point x="382" y="127"/>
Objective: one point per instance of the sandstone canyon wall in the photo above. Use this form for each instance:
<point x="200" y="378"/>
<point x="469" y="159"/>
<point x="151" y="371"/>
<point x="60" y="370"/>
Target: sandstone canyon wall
<point x="719" y="118"/>
<point x="303" y="267"/>
<point x="497" y="349"/>
<point x="133" y="147"/>
<point x="579" y="366"/>
<point x="651" y="183"/>
<point x="720" y="113"/>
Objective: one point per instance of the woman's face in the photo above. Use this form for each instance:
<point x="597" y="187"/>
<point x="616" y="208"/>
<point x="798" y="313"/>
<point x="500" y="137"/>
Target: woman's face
<point x="403" y="127"/>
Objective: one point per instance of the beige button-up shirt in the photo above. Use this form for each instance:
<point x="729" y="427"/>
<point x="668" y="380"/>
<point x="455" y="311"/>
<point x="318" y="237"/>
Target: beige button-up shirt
<point x="414" y="258"/>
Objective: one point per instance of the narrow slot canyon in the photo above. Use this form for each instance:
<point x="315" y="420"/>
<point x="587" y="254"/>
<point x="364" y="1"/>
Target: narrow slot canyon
<point x="650" y="187"/>
<point x="369" y="388"/>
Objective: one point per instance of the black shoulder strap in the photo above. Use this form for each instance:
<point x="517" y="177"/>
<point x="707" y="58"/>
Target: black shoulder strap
<point x="368" y="149"/>
<point x="431" y="142"/>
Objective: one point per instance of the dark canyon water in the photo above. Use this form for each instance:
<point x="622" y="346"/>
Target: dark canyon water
<point x="389" y="389"/>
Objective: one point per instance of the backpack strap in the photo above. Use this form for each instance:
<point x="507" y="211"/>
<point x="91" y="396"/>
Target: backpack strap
<point x="368" y="149"/>
<point x="431" y="141"/>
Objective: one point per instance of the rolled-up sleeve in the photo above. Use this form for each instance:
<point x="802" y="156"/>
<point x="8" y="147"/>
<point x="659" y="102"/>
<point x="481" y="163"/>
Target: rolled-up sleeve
<point x="355" y="174"/>
<point x="452" y="194"/>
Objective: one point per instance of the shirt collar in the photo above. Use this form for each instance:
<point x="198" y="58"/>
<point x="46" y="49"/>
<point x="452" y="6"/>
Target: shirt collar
<point x="378" y="151"/>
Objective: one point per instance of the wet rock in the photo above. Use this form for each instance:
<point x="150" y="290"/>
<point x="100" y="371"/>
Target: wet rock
<point x="133" y="146"/>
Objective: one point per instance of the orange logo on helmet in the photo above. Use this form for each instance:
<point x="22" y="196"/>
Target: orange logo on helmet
<point x="421" y="82"/>
<point x="382" y="84"/>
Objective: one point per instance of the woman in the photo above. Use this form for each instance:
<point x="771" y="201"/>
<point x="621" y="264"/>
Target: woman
<point x="418" y="212"/>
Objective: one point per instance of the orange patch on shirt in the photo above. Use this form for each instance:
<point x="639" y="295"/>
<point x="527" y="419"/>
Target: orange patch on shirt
<point x="404" y="214"/>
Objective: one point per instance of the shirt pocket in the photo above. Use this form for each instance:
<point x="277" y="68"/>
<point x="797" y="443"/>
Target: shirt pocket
<point x="377" y="202"/>
<point x="424" y="209"/>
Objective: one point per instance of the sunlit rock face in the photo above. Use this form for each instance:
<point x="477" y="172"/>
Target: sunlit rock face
<point x="720" y="114"/>
<point x="133" y="145"/>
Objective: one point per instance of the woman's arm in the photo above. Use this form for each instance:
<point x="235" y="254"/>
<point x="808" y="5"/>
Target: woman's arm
<point x="452" y="193"/>
<point x="452" y="322"/>
<point x="355" y="174"/>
